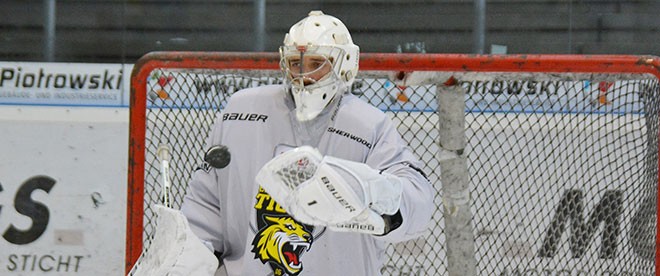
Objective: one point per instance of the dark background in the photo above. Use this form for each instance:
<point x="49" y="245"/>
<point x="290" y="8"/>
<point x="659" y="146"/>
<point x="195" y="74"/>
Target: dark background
<point x="124" y="30"/>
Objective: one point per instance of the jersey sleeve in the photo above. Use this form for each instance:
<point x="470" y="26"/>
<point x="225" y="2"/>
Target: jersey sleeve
<point x="201" y="205"/>
<point x="392" y="154"/>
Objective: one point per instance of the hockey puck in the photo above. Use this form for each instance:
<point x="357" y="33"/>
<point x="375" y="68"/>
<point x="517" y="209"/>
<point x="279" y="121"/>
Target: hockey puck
<point x="218" y="156"/>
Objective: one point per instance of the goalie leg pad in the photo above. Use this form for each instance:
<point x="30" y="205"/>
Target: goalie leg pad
<point x="175" y="249"/>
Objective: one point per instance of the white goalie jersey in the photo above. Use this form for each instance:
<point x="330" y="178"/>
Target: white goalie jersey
<point x="252" y="232"/>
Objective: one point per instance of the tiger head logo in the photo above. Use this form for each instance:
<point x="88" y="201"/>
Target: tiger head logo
<point x="281" y="243"/>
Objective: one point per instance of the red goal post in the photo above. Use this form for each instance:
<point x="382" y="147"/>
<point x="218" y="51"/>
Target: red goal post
<point x="492" y="149"/>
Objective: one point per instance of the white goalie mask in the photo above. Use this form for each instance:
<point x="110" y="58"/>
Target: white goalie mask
<point x="318" y="60"/>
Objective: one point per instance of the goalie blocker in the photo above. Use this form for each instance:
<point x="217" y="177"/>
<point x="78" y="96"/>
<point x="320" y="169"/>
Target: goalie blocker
<point x="326" y="191"/>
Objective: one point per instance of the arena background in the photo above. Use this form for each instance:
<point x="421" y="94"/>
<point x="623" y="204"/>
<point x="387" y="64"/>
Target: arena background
<point x="65" y="65"/>
<point x="122" y="31"/>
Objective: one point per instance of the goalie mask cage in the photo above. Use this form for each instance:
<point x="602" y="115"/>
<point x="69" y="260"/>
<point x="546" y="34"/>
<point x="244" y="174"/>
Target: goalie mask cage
<point x="549" y="162"/>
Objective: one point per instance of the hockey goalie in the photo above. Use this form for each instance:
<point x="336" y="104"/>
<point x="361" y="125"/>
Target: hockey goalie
<point x="319" y="182"/>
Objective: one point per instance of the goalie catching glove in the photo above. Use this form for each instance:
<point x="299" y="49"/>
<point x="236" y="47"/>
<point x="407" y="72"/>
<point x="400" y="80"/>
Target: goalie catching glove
<point x="343" y="195"/>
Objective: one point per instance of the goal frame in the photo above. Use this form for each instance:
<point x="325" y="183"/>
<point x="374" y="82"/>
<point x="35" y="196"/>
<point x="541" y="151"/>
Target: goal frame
<point x="467" y="63"/>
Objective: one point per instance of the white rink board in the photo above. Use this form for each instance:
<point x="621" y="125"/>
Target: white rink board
<point x="64" y="84"/>
<point x="71" y="162"/>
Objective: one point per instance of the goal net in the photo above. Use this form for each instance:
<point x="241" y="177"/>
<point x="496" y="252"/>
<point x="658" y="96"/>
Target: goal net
<point x="542" y="164"/>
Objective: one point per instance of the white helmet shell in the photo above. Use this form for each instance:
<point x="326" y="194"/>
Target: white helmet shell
<point x="319" y="35"/>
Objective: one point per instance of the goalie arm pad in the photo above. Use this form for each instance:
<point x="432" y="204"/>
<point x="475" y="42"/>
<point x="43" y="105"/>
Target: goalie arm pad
<point x="416" y="206"/>
<point x="202" y="209"/>
<point x="201" y="204"/>
<point x="392" y="155"/>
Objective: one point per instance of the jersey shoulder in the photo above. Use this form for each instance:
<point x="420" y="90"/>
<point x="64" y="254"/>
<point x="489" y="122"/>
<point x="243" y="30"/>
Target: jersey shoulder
<point x="358" y="110"/>
<point x="258" y="97"/>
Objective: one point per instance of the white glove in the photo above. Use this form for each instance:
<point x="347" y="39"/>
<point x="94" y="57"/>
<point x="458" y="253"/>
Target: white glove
<point x="327" y="191"/>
